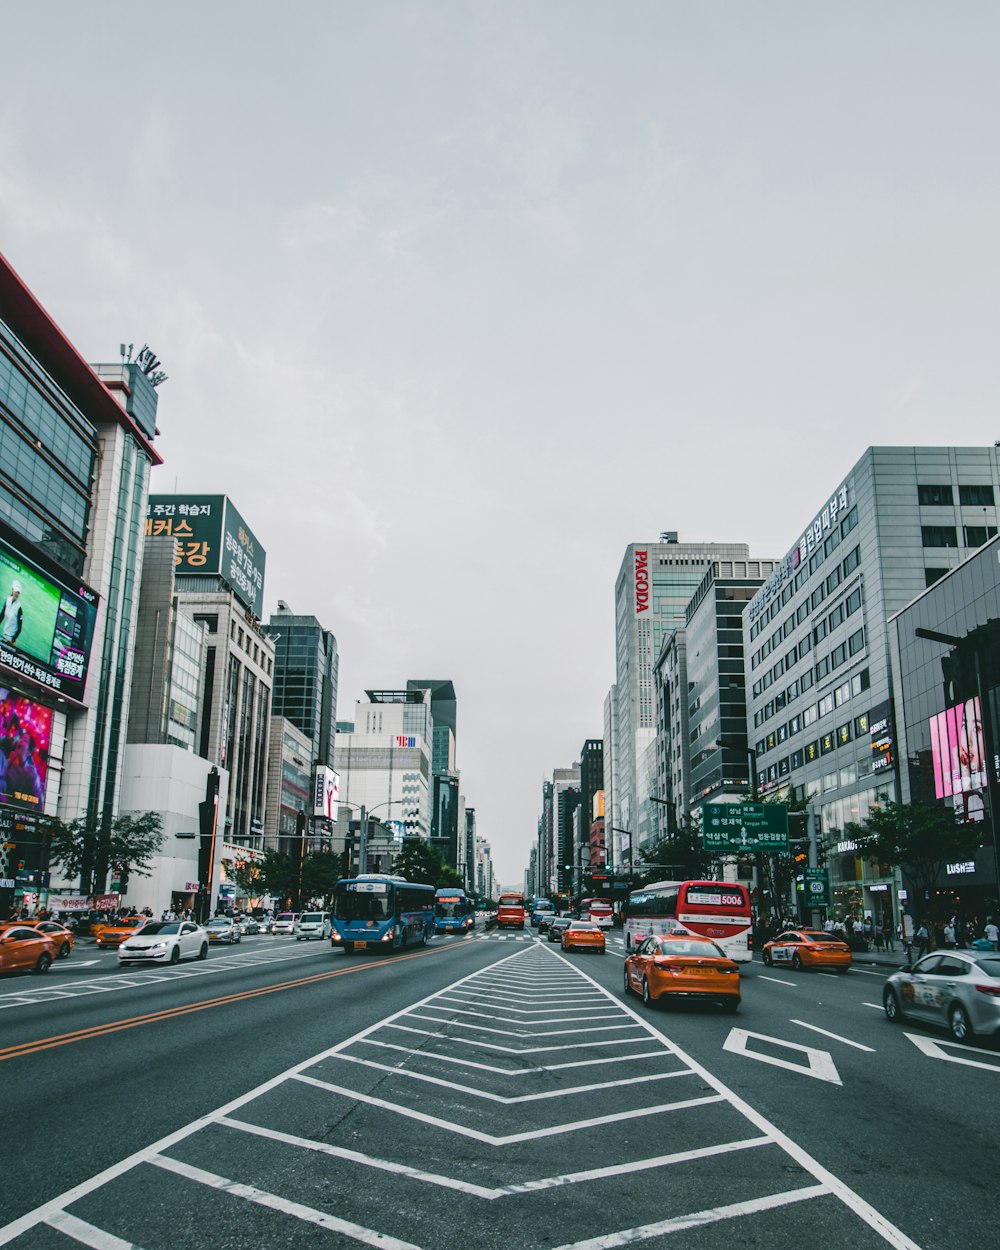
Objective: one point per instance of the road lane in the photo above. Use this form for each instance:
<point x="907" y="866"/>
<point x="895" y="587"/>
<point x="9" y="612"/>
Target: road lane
<point x="479" y="1102"/>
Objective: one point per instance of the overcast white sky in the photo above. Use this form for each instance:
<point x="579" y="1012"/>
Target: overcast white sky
<point x="458" y="299"/>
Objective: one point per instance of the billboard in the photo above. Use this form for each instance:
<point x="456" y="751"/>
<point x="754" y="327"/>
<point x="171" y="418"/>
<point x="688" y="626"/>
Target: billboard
<point x="326" y="794"/>
<point x="958" y="750"/>
<point x="25" y="733"/>
<point x="211" y="538"/>
<point x="46" y="624"/>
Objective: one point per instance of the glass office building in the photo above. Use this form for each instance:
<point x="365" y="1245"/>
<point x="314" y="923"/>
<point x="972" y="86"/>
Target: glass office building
<point x="820" y="699"/>
<point x="946" y="647"/>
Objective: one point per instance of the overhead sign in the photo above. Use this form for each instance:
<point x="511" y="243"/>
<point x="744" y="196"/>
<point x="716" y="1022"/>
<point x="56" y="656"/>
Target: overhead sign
<point x="744" y="826"/>
<point x="46" y="623"/>
<point x="212" y="538"/>
<point x="816" y="887"/>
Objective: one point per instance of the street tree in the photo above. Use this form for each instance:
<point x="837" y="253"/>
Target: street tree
<point x="320" y="873"/>
<point x="420" y="862"/>
<point x="245" y="874"/>
<point x="678" y="856"/>
<point x="87" y="853"/>
<point x="918" y="837"/>
<point x="279" y="875"/>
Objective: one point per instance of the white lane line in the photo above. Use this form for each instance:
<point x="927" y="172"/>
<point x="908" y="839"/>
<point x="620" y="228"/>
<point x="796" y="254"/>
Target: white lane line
<point x="762" y="976"/>
<point x="502" y="1191"/>
<point x="368" y="1236"/>
<point x="488" y="1139"/>
<point x="510" y="1099"/>
<point x="489" y="1067"/>
<point x="54" y="1206"/>
<point x="877" y="1006"/>
<point x="849" y="1197"/>
<point x="482" y="1028"/>
<point x="696" y="1219"/>
<point x="519" y="1050"/>
<point x="836" y="1036"/>
<point x="87" y="1234"/>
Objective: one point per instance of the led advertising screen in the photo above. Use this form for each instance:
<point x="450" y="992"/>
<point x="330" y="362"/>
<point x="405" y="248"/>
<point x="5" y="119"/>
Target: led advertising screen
<point x="46" y="625"/>
<point x="326" y="795"/>
<point x="958" y="750"/>
<point x="213" y="538"/>
<point x="25" y="733"/>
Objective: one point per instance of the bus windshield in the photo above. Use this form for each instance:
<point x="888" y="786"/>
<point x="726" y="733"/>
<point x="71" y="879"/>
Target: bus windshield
<point x="451" y="907"/>
<point x="350" y="903"/>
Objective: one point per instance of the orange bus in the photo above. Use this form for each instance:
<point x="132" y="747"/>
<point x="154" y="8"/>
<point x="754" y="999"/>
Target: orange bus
<point x="510" y="911"/>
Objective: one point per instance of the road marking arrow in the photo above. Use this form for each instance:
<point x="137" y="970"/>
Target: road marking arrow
<point x="936" y="1050"/>
<point x="819" y="1062"/>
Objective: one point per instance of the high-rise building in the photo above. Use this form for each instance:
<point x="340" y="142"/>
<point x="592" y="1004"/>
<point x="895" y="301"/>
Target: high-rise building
<point x="590" y="851"/>
<point x="76" y="450"/>
<point x="654" y="586"/>
<point x="820" y="700"/>
<point x="306" y="669"/>
<point x="447" y="835"/>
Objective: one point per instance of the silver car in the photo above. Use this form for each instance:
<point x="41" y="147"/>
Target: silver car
<point x="959" y="990"/>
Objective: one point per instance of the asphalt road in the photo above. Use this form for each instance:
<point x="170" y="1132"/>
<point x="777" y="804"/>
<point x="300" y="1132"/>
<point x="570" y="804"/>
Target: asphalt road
<point x="488" y="1091"/>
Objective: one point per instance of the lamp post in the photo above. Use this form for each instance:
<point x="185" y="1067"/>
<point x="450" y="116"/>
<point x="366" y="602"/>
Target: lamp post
<point x="364" y="813"/>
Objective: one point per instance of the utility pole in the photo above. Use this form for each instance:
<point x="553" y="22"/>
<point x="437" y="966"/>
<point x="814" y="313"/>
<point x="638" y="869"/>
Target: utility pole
<point x="363" y="841"/>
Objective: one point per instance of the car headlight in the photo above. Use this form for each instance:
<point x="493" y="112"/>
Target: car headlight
<point x="158" y="946"/>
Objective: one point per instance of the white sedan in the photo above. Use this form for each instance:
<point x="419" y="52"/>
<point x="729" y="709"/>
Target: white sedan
<point x="165" y="942"/>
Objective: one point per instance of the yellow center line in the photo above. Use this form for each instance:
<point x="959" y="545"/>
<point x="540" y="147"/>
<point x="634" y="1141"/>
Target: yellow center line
<point x="170" y="1013"/>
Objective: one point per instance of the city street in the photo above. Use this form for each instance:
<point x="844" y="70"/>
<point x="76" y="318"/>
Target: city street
<point x="485" y="1088"/>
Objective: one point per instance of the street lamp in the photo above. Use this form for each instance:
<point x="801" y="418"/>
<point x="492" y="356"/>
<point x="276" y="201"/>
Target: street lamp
<point x="364" y="814"/>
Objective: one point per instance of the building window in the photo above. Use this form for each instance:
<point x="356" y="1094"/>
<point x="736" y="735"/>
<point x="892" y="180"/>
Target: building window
<point x="849" y="522"/>
<point x="976" y="496"/>
<point x="838" y="655"/>
<point x="939" y="535"/>
<point x="935" y="496"/>
<point x="851" y="561"/>
<point x="809" y="715"/>
<point x="796" y="759"/>
<point x="806" y="680"/>
<point x="801" y="612"/>
<point x="826" y="704"/>
<point x="794" y="725"/>
<point x="853" y="601"/>
<point x="842" y="694"/>
<point x="822" y="668"/>
<point x="856" y="642"/>
<point x="836" y="616"/>
<point x="819" y="633"/>
<point x="933" y="575"/>
<point x="860" y="681"/>
<point x="832" y="542"/>
<point x="833" y="581"/>
<point x="861" y="725"/>
<point x="815" y="560"/>
<point x="844" y="734"/>
<point x="817" y="597"/>
<point x="976" y="535"/>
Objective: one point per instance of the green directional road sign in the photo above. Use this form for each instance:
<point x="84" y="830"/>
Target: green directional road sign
<point x="744" y="826"/>
<point x="816" y="887"/>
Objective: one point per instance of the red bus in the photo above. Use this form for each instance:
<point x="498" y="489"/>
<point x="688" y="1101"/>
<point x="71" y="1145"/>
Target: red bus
<point x="719" y="910"/>
<point x="510" y="911"/>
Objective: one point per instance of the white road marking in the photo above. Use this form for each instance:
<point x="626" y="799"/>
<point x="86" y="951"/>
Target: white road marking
<point x="697" y="1219"/>
<point x="937" y="1050"/>
<point x="274" y="1202"/>
<point x="489" y="1067"/>
<point x="836" y="1036"/>
<point x="762" y="976"/>
<point x="487" y="1139"/>
<point x="877" y="1006"/>
<point x="821" y="1065"/>
<point x="87" y="1234"/>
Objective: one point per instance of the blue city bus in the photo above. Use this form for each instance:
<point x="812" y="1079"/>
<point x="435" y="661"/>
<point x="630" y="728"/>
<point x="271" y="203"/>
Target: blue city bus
<point x="454" y="911"/>
<point x="376" y="912"/>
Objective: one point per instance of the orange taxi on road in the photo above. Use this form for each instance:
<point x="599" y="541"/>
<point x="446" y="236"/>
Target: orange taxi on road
<point x="683" y="966"/>
<point x="808" y="948"/>
<point x="112" y="935"/>
<point x="582" y="933"/>
<point x="24" y="948"/>
<point x="63" y="937"/>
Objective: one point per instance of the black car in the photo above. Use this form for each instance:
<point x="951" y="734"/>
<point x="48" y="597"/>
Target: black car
<point x="556" y="927"/>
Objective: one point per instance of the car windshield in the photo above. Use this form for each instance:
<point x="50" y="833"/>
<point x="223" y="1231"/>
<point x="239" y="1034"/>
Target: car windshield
<point x="312" y="917"/>
<point x="219" y="924"/>
<point x="823" y="937"/>
<point x="285" y="915"/>
<point x="161" y="926"/>
<point x="582" y="924"/>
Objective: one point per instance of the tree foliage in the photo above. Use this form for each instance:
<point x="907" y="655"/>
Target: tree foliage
<point x="919" y="837"/>
<point x="420" y="862"/>
<point x="81" y="851"/>
<point x="679" y="856"/>
<point x="246" y="876"/>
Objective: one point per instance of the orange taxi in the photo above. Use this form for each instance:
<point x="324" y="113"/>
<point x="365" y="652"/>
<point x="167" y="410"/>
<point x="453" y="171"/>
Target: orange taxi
<point x="23" y="948"/>
<point x="582" y="933"/>
<point x="680" y="965"/>
<point x="63" y="937"/>
<point x="113" y="934"/>
<point x="808" y="948"/>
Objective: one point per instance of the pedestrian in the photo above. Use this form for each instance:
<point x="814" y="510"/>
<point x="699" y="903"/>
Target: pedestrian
<point x="888" y="930"/>
<point x="991" y="932"/>
<point x="879" y="936"/>
<point x="923" y="939"/>
<point x="949" y="935"/>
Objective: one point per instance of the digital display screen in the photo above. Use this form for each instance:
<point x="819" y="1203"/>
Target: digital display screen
<point x="46" y="625"/>
<point x="958" y="750"/>
<point x="25" y="733"/>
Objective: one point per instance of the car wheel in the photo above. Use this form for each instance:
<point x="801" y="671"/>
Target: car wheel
<point x="767" y="959"/>
<point x="731" y="1005"/>
<point x="175" y="955"/>
<point x="64" y="951"/>
<point x="628" y="987"/>
<point x="203" y="953"/>
<point x="890" y="1005"/>
<point x="647" y="998"/>
<point x="797" y="962"/>
<point x="44" y="962"/>
<point x="960" y="1024"/>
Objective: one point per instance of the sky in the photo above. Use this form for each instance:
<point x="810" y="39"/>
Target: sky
<point x="457" y="300"/>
